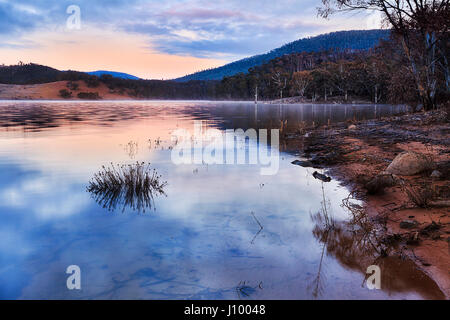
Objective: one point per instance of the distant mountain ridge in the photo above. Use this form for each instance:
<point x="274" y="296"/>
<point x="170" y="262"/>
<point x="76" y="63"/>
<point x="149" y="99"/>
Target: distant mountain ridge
<point x="356" y="40"/>
<point x="32" y="73"/>
<point x="115" y="74"/>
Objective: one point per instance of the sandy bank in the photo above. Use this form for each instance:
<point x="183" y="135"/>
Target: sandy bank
<point x="50" y="91"/>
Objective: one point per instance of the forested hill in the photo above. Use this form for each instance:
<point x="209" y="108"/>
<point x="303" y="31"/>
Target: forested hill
<point x="32" y="73"/>
<point x="114" y="74"/>
<point x="357" y="39"/>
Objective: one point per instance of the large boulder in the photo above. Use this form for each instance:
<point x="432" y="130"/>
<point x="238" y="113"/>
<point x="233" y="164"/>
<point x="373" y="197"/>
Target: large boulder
<point x="409" y="163"/>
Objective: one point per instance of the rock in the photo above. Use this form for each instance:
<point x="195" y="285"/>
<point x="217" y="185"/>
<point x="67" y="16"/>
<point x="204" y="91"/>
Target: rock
<point x="322" y="177"/>
<point x="408" y="224"/>
<point x="409" y="163"/>
<point x="305" y="164"/>
<point x="352" y="127"/>
<point x="381" y="181"/>
<point x="436" y="174"/>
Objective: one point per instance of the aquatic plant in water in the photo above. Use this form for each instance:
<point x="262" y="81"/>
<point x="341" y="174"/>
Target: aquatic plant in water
<point x="133" y="186"/>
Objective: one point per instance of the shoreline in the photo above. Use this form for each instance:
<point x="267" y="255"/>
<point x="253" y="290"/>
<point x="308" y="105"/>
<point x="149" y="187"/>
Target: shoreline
<point x="356" y="152"/>
<point x="50" y="92"/>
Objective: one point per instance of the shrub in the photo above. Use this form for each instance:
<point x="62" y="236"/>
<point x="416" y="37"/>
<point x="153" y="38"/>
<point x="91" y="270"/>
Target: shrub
<point x="421" y="197"/>
<point x="92" y="82"/>
<point x="72" y="85"/>
<point x="89" y="95"/>
<point x="64" y="93"/>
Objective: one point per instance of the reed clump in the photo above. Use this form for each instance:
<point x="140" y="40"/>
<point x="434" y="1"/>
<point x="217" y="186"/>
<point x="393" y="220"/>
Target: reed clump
<point x="420" y="196"/>
<point x="132" y="185"/>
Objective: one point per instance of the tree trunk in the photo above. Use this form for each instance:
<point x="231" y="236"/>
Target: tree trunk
<point x="427" y="88"/>
<point x="376" y="94"/>
<point x="446" y="71"/>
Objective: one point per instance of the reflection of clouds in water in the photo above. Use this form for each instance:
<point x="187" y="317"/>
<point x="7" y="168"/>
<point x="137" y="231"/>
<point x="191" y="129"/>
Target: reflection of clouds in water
<point x="197" y="244"/>
<point x="63" y="207"/>
<point x="12" y="243"/>
<point x="12" y="197"/>
<point x="201" y="251"/>
<point x="46" y="197"/>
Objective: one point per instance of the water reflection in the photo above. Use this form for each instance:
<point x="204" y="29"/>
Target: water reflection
<point x="131" y="149"/>
<point x="245" y="290"/>
<point x="133" y="186"/>
<point x="36" y="116"/>
<point x="259" y="231"/>
<point x="202" y="242"/>
<point x="356" y="244"/>
<point x="324" y="222"/>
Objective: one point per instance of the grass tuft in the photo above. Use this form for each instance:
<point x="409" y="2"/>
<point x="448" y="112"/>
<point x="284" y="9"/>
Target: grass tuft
<point x="132" y="186"/>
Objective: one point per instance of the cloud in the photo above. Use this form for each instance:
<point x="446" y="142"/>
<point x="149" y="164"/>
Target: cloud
<point x="203" y="14"/>
<point x="14" y="20"/>
<point x="218" y="29"/>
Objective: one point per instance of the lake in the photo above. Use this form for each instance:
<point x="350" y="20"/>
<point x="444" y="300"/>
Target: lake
<point x="217" y="232"/>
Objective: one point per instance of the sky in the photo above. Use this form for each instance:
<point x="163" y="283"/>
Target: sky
<point x="161" y="39"/>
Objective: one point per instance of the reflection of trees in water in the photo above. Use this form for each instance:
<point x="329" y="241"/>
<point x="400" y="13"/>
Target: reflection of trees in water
<point x="41" y="115"/>
<point x="357" y="244"/>
<point x="131" y="149"/>
<point x="133" y="186"/>
<point x="323" y="219"/>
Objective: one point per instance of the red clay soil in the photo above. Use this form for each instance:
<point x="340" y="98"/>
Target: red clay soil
<point x="357" y="154"/>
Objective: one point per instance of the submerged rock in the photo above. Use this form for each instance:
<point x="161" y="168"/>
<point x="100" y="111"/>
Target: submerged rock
<point x="409" y="163"/>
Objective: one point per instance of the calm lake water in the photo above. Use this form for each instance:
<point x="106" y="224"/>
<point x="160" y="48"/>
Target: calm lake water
<point x="203" y="239"/>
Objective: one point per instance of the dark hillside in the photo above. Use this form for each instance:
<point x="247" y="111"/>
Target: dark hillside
<point x="342" y="40"/>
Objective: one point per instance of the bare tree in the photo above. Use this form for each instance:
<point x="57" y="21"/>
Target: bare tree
<point x="280" y="81"/>
<point x="422" y="26"/>
<point x="301" y="81"/>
